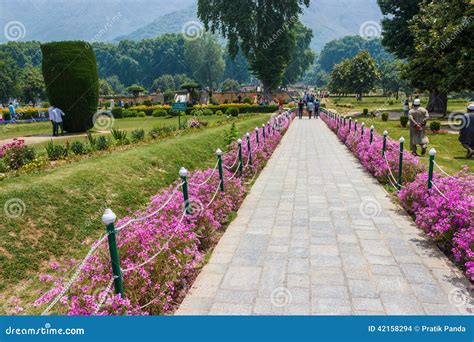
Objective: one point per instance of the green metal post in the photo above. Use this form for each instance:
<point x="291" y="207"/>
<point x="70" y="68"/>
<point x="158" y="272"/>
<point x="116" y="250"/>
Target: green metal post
<point x="355" y="125"/>
<point x="384" y="146"/>
<point x="249" y="150"/>
<point x="431" y="167"/>
<point x="350" y="123"/>
<point x="241" y="166"/>
<point x="109" y="219"/>
<point x="219" y="166"/>
<point x="256" y="135"/>
<point x="371" y="134"/>
<point x="183" y="173"/>
<point x="263" y="132"/>
<point x="362" y="130"/>
<point x="400" y="164"/>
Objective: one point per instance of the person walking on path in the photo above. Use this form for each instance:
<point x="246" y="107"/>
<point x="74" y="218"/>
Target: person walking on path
<point x="51" y="116"/>
<point x="466" y="134"/>
<point x="11" y="110"/>
<point x="300" y="108"/>
<point x="310" y="109"/>
<point x="418" y="117"/>
<point x="58" y="119"/>
<point x="317" y="105"/>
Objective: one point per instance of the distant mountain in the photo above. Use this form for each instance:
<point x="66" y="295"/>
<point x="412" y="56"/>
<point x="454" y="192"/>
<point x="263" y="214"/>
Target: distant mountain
<point x="90" y="20"/>
<point x="114" y="20"/>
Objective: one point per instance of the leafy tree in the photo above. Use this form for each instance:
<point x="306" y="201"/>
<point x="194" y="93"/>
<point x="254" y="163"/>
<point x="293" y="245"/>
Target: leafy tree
<point x="181" y="79"/>
<point x="301" y="56"/>
<point x="390" y="79"/>
<point x="236" y="68"/>
<point x="117" y="86"/>
<point x="230" y="85"/>
<point x="31" y="83"/>
<point x="397" y="36"/>
<point x="349" y="46"/>
<point x="261" y="29"/>
<point x="163" y="83"/>
<point x="105" y="88"/>
<point x="357" y="75"/>
<point x="203" y="56"/>
<point x="135" y="90"/>
<point x="8" y="72"/>
<point x="443" y="58"/>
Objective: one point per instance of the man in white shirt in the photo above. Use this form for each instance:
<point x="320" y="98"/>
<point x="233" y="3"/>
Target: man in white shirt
<point x="58" y="119"/>
<point x="51" y="118"/>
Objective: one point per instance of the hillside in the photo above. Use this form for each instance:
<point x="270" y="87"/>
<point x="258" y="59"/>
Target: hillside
<point x="114" y="20"/>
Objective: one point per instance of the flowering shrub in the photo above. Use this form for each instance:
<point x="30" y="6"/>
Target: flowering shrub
<point x="162" y="251"/>
<point x="446" y="217"/>
<point x="16" y="154"/>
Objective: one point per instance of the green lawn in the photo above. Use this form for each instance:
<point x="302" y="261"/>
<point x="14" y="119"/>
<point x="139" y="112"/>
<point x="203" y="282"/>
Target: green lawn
<point x="450" y="154"/>
<point x="64" y="205"/>
<point x="383" y="103"/>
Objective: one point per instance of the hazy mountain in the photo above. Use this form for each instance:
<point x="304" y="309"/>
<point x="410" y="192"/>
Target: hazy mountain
<point x="109" y="20"/>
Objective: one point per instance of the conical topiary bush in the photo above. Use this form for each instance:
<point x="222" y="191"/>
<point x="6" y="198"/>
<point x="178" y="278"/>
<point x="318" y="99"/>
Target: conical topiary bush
<point x="72" y="81"/>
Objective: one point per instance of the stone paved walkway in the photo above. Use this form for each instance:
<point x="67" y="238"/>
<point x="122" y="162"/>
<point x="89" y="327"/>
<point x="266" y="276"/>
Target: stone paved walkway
<point x="318" y="235"/>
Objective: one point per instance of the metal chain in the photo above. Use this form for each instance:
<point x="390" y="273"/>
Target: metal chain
<point x="448" y="175"/>
<point x="207" y="180"/>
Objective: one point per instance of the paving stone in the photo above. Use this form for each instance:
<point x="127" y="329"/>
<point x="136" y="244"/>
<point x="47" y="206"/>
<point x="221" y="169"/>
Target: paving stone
<point x="300" y="244"/>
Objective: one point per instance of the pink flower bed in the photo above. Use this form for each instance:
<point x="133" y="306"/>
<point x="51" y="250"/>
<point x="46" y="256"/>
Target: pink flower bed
<point x="161" y="254"/>
<point x="446" y="217"/>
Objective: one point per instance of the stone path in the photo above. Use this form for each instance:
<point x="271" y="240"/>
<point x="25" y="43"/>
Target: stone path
<point x="318" y="235"/>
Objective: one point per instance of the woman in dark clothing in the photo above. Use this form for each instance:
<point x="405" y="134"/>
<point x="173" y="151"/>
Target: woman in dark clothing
<point x="466" y="135"/>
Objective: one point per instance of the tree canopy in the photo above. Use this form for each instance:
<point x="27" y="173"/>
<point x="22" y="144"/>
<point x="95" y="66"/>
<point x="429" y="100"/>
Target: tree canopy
<point x="261" y="29"/>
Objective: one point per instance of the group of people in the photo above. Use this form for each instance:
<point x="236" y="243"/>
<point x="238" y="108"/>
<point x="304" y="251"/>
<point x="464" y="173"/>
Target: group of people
<point x="56" y="117"/>
<point x="418" y="118"/>
<point x="312" y="105"/>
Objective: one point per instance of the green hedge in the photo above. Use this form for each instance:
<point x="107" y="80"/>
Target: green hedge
<point x="72" y="81"/>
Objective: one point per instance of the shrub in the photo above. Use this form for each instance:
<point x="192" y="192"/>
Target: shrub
<point x="16" y="154"/>
<point x="55" y="151"/>
<point x="69" y="71"/>
<point x="196" y="112"/>
<point x="435" y="126"/>
<point x="248" y="100"/>
<point x="141" y="114"/>
<point x="7" y="116"/>
<point x="126" y="105"/>
<point x="231" y="135"/>
<point x="158" y="131"/>
<point x="138" y="135"/>
<point x="384" y="116"/>
<point x="147" y="103"/>
<point x="78" y="148"/>
<point x="3" y="165"/>
<point x="128" y="113"/>
<point x="91" y="139"/>
<point x="207" y="112"/>
<point x="160" y="113"/>
<point x="117" y="112"/>
<point x="365" y="112"/>
<point x="232" y="111"/>
<point x="404" y="120"/>
<point x="219" y="112"/>
<point x="148" y="111"/>
<point x="120" y="136"/>
<point x="173" y="112"/>
<point x="102" y="143"/>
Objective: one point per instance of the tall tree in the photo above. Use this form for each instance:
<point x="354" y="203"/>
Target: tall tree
<point x="357" y="75"/>
<point x="203" y="56"/>
<point x="390" y="79"/>
<point x="262" y="29"/>
<point x="8" y="72"/>
<point x="301" y="56"/>
<point x="397" y="36"/>
<point x="163" y="83"/>
<point x="443" y="58"/>
<point x="31" y="83"/>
